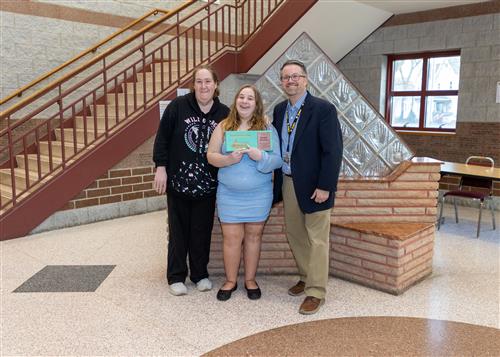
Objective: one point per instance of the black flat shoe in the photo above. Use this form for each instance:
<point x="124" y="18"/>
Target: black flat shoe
<point x="253" y="294"/>
<point x="224" y="295"/>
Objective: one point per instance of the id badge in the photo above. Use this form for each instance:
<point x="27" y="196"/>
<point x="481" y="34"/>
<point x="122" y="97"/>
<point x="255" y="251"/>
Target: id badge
<point x="286" y="157"/>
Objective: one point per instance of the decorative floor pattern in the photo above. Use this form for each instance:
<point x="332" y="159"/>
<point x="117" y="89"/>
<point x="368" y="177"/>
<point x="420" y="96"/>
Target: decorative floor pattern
<point x="66" y="278"/>
<point x="369" y="336"/>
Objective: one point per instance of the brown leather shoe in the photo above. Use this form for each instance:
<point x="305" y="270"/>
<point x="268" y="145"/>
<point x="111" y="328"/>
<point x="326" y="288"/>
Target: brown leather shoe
<point x="310" y="305"/>
<point x="297" y="289"/>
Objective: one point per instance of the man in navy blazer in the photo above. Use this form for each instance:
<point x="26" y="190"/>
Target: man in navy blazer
<point x="311" y="148"/>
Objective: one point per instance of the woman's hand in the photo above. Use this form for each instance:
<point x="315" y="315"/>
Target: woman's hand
<point x="254" y="153"/>
<point x="235" y="156"/>
<point x="160" y="182"/>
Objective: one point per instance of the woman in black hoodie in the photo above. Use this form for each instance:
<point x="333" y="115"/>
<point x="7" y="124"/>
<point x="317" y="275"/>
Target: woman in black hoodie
<point x="182" y="170"/>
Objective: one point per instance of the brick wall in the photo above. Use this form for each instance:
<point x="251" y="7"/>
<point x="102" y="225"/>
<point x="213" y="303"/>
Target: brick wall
<point x="480" y="139"/>
<point x="116" y="185"/>
<point x="449" y="182"/>
<point x="411" y="197"/>
<point x="452" y="182"/>
<point x="379" y="260"/>
<point x="496" y="188"/>
<point x="408" y="195"/>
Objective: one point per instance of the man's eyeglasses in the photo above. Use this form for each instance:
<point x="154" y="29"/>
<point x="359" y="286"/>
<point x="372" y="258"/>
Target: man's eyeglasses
<point x="294" y="77"/>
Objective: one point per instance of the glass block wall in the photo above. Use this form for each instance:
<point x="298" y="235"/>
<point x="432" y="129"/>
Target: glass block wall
<point x="371" y="148"/>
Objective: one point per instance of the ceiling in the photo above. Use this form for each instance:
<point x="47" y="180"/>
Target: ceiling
<point x="404" y="6"/>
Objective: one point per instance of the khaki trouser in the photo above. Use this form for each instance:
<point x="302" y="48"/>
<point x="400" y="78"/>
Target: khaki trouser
<point x="309" y="237"/>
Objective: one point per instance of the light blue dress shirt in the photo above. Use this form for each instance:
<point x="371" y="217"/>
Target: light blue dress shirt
<point x="292" y="111"/>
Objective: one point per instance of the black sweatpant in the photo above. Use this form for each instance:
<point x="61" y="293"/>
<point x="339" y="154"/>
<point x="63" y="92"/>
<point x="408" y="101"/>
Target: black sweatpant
<point x="190" y="224"/>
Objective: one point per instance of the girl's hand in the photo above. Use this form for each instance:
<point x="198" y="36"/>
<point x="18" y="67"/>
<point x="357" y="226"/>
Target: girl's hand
<point x="254" y="153"/>
<point x="235" y="156"/>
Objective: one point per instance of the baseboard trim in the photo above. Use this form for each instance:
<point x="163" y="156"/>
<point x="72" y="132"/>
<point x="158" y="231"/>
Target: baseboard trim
<point x="92" y="214"/>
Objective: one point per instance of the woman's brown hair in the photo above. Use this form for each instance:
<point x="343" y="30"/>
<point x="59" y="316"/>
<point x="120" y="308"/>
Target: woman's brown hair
<point x="258" y="120"/>
<point x="212" y="72"/>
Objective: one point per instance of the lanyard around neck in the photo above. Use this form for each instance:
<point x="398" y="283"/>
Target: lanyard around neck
<point x="291" y="127"/>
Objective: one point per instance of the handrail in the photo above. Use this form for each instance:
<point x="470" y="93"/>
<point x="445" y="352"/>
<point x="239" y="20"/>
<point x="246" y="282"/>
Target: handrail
<point x="19" y="92"/>
<point x="94" y="60"/>
<point x="114" y="89"/>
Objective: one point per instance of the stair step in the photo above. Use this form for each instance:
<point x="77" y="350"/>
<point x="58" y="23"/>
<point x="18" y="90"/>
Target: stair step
<point x="80" y="135"/>
<point x="4" y="199"/>
<point x="168" y="68"/>
<point x="6" y="191"/>
<point x="157" y="79"/>
<point x="182" y="61"/>
<point x="56" y="146"/>
<point x="32" y="161"/>
<point x="90" y="123"/>
<point x="101" y="122"/>
<point x="149" y="88"/>
<point x="122" y="114"/>
<point x="139" y="89"/>
<point x="120" y="99"/>
<point x="100" y="112"/>
<point x="20" y="178"/>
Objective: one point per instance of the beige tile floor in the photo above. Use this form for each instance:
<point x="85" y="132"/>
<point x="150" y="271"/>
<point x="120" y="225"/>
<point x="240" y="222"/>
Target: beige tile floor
<point x="132" y="313"/>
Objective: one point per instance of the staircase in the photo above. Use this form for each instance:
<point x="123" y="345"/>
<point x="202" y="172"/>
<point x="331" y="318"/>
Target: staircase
<point x="91" y="125"/>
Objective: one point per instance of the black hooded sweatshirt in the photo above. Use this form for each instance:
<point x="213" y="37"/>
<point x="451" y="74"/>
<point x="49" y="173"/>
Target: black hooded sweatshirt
<point x="181" y="145"/>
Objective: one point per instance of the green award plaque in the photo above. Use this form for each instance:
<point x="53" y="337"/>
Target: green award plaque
<point x="240" y="140"/>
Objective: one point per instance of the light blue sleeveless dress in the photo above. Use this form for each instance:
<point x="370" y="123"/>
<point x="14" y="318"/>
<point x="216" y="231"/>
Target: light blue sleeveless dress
<point x="245" y="190"/>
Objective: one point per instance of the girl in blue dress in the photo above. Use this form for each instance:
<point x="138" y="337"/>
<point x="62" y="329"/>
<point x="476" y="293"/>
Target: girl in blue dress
<point x="245" y="192"/>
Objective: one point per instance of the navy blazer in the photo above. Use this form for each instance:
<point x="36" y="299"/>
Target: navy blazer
<point x="316" y="154"/>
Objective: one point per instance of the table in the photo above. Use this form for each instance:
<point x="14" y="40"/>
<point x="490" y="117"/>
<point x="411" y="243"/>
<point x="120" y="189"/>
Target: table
<point x="470" y="170"/>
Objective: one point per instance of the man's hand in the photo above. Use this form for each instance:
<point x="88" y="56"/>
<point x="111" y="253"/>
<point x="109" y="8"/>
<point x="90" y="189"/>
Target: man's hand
<point x="160" y="183"/>
<point x="320" y="196"/>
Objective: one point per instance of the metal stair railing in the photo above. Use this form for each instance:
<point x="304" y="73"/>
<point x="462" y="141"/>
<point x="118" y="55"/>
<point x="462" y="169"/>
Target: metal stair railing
<point x="90" y="103"/>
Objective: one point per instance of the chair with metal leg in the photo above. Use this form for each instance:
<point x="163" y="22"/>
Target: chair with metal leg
<point x="474" y="188"/>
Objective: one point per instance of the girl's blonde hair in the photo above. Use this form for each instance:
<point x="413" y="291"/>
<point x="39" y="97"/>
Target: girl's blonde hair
<point x="258" y="120"/>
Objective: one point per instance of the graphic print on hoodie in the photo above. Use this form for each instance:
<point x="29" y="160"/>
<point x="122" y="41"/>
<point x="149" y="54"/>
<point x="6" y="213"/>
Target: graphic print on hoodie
<point x="181" y="145"/>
